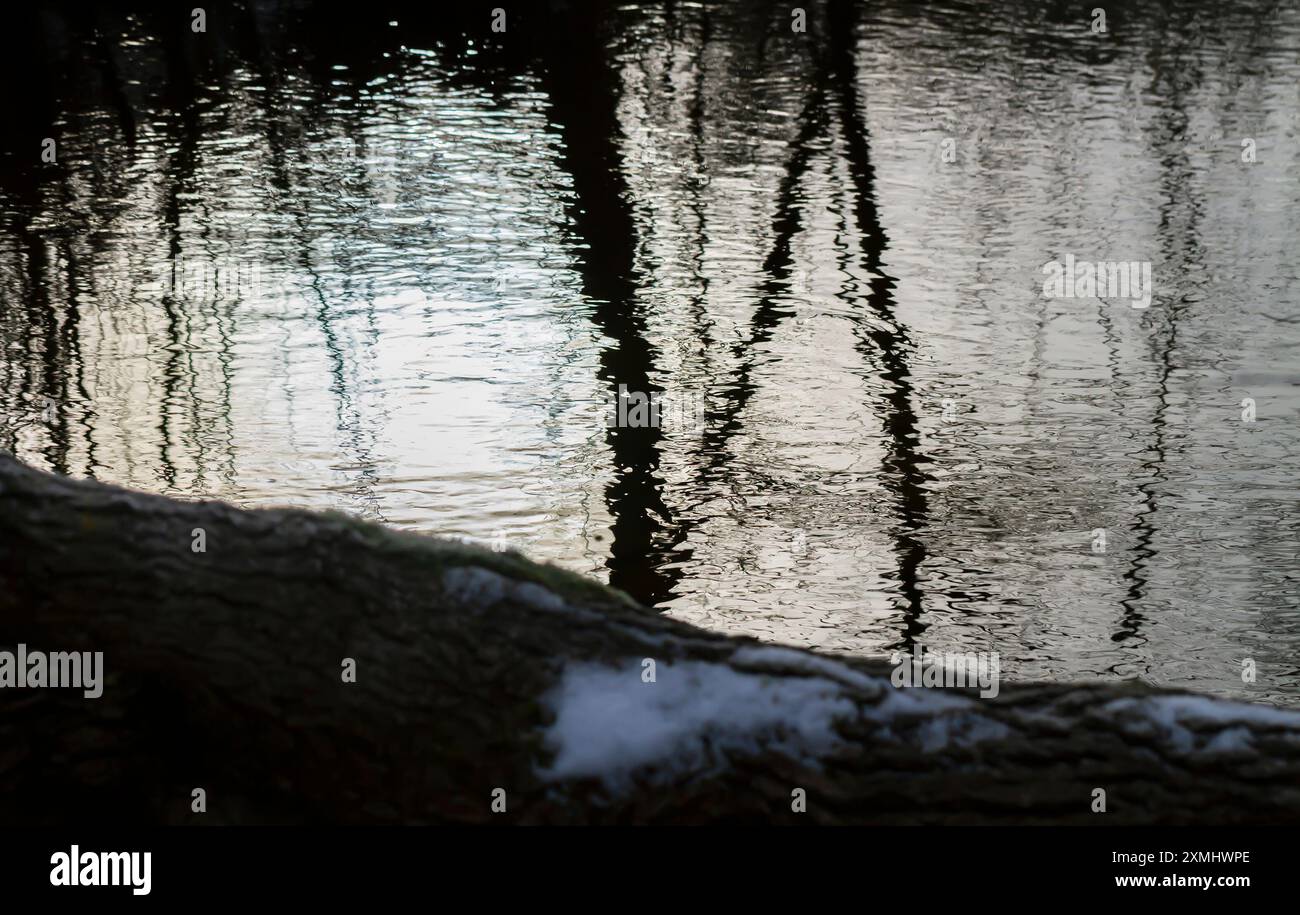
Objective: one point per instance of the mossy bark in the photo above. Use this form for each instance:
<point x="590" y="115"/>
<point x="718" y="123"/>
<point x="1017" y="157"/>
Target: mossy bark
<point x="224" y="672"/>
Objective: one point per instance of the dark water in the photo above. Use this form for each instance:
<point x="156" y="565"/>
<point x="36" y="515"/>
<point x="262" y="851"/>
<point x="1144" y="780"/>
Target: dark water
<point x="394" y="263"/>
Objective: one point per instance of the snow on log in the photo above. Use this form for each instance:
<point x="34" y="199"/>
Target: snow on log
<point x="301" y="667"/>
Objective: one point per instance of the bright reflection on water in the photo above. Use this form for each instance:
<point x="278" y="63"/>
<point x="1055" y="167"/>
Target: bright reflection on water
<point x="403" y="272"/>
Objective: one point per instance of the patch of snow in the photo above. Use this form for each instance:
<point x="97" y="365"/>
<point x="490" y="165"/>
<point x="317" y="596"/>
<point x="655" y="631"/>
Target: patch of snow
<point x="939" y="729"/>
<point x="535" y="595"/>
<point x="1231" y="740"/>
<point x="479" y="588"/>
<point x="1173" y="714"/>
<point x="790" y="659"/>
<point x="655" y="640"/>
<point x="609" y="723"/>
<point x="475" y="585"/>
<point x="918" y="700"/>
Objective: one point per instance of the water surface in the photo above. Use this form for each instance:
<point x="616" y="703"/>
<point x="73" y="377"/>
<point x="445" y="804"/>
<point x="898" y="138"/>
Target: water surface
<point x="399" y="265"/>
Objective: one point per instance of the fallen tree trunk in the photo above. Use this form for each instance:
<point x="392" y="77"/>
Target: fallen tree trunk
<point x="481" y="672"/>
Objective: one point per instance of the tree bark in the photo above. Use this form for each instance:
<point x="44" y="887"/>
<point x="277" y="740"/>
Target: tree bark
<point x="480" y="672"/>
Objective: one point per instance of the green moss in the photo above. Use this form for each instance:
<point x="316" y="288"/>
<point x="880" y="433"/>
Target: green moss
<point x="434" y="554"/>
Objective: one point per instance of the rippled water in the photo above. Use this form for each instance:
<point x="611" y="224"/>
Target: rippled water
<point x="400" y="265"/>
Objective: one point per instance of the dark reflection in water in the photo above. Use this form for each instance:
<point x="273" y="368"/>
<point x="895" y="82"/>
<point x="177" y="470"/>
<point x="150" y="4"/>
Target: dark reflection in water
<point x="392" y="262"/>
